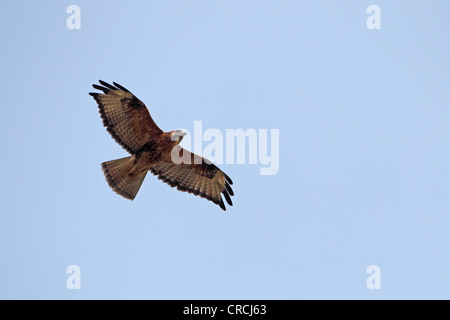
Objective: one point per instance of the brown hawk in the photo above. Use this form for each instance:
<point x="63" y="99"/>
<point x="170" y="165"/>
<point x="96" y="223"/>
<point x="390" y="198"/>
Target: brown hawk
<point x="128" y="121"/>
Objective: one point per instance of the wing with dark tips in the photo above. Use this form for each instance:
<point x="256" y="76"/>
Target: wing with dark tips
<point x="202" y="179"/>
<point x="125" y="117"/>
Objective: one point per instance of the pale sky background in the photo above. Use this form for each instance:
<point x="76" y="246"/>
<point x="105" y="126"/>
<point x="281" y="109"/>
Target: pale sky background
<point x="364" y="175"/>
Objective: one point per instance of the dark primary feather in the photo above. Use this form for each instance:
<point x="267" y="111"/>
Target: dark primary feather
<point x="105" y="90"/>
<point x="227" y="197"/>
<point x="228" y="179"/>
<point x="107" y="85"/>
<point x="227" y="186"/>
<point x="120" y="87"/>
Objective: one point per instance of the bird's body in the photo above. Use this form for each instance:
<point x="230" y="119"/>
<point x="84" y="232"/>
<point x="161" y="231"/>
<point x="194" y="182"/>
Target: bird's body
<point x="128" y="121"/>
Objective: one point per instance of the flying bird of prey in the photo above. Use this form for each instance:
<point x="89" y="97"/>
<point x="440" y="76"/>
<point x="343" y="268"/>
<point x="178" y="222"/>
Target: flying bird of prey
<point x="128" y="121"/>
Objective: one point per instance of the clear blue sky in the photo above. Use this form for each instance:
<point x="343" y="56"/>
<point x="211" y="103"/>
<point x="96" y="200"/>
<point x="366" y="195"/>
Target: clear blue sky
<point x="364" y="175"/>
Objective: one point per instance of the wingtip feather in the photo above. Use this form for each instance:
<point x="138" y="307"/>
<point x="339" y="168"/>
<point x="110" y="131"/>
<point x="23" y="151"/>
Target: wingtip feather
<point x="228" y="179"/>
<point x="222" y="205"/>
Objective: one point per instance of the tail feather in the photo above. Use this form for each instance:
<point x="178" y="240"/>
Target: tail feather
<point x="121" y="177"/>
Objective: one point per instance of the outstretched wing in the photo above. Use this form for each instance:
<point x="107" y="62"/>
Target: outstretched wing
<point x="125" y="116"/>
<point x="199" y="177"/>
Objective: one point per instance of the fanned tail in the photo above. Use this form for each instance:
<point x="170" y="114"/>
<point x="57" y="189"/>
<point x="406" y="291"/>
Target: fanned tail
<point x="121" y="177"/>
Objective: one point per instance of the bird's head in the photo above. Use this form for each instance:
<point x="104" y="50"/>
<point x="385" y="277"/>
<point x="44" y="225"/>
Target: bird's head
<point x="177" y="135"/>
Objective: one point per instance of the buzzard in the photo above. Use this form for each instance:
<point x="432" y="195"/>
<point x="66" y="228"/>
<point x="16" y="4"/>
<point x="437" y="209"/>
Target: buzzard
<point x="128" y="121"/>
